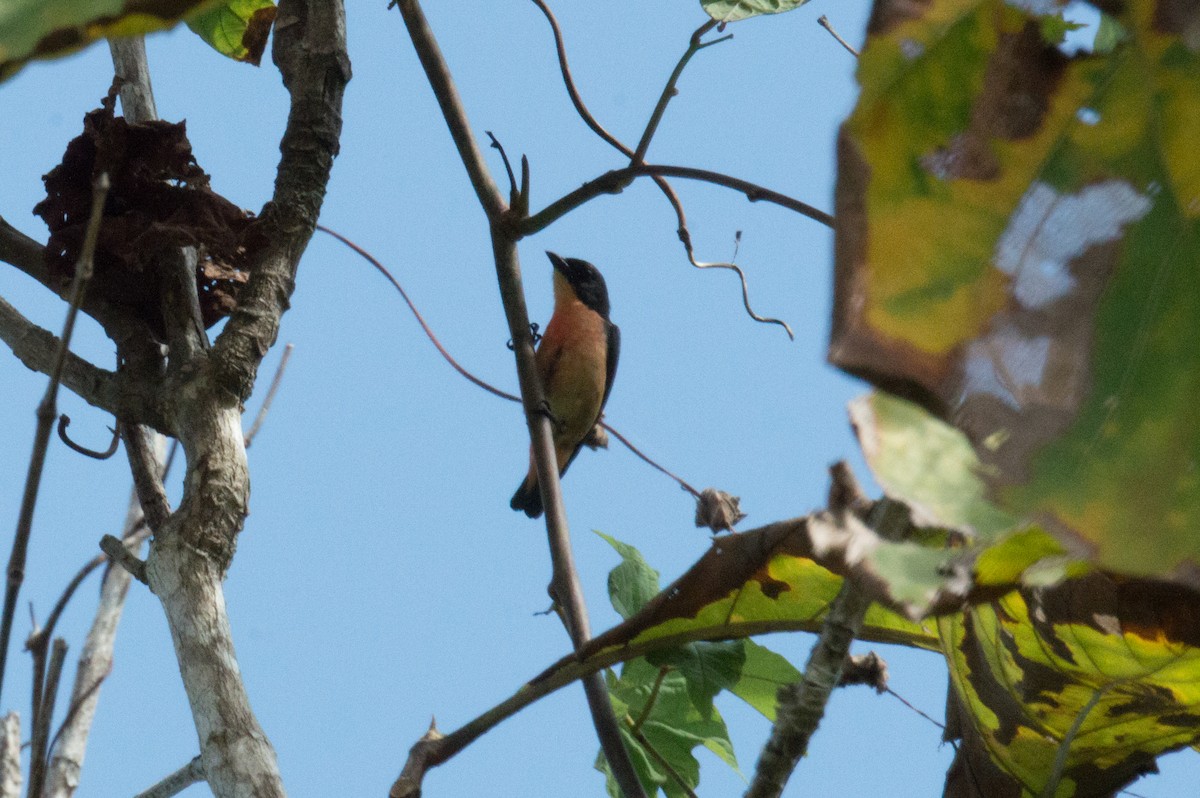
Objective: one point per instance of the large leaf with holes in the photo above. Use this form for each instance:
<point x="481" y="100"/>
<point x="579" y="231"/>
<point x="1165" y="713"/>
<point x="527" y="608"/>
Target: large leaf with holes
<point x="1018" y="246"/>
<point x="32" y="29"/>
<point x="1072" y="690"/>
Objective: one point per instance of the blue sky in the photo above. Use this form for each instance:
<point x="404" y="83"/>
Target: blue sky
<point x="381" y="577"/>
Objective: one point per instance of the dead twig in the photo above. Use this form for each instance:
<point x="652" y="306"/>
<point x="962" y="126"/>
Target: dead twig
<point x="823" y="21"/>
<point x="265" y="407"/>
<point x="64" y="421"/>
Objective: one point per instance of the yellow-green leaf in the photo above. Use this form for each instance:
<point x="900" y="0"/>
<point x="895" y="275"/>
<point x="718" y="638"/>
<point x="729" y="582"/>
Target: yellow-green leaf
<point x="236" y="28"/>
<point x="1079" y="687"/>
<point x="1017" y="251"/>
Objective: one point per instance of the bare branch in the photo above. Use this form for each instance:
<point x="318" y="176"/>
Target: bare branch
<point x="95" y="660"/>
<point x="669" y="90"/>
<point x="144" y="462"/>
<point x="614" y="181"/>
<point x="47" y="411"/>
<point x="10" y="756"/>
<point x="177" y="782"/>
<point x="38" y="349"/>
<point x="309" y="47"/>
<point x="133" y="70"/>
<point x="565" y="582"/>
<point x="468" y="375"/>
<point x="802" y="705"/>
<point x="23" y="252"/>
<point x="685" y="236"/>
<point x="823" y="21"/>
<point x="44" y="716"/>
<point x="265" y="407"/>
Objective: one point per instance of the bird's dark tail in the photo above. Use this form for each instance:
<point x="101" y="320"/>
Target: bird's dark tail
<point x="528" y="498"/>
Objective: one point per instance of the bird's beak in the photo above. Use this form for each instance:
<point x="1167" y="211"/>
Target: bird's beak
<point x="557" y="262"/>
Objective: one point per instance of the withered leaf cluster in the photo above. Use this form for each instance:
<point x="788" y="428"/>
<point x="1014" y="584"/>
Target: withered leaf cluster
<point x="160" y="200"/>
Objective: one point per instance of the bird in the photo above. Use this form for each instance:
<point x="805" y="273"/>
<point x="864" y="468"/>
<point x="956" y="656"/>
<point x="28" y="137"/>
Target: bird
<point x="576" y="360"/>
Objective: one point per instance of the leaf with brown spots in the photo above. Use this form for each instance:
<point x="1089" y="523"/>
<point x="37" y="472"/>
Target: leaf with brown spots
<point x="31" y="29"/>
<point x="1018" y="238"/>
<point x="1082" y="685"/>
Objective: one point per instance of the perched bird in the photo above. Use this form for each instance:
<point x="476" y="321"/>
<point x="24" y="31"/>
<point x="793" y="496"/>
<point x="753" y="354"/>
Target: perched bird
<point x="576" y="359"/>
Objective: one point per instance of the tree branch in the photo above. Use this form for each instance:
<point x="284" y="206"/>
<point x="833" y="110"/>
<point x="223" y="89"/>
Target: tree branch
<point x="614" y="181"/>
<point x="38" y="349"/>
<point x="310" y="50"/>
<point x="95" y="662"/>
<point x="193" y="546"/>
<point x="10" y="756"/>
<point x="177" y="782"/>
<point x="23" y="252"/>
<point x="565" y="583"/>
<point x="801" y="706"/>
<point x="669" y="90"/>
<point x="685" y="236"/>
<point x="47" y="412"/>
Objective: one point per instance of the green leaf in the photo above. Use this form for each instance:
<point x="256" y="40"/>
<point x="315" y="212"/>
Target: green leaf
<point x="733" y="10"/>
<point x="632" y="583"/>
<point x="1018" y="237"/>
<point x="236" y="28"/>
<point x="661" y="727"/>
<point x="763" y="673"/>
<point x="707" y="668"/>
<point x="52" y="28"/>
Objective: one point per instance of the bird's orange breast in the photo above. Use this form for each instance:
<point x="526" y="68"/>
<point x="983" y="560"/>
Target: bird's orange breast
<point x="572" y="362"/>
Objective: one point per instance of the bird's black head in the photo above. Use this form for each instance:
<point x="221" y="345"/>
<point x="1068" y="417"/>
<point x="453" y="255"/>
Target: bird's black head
<point x="585" y="280"/>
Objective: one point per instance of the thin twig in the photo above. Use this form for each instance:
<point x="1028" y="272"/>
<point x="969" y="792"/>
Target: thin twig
<point x="685" y="236"/>
<point x="44" y="716"/>
<point x="642" y="455"/>
<point x="454" y="364"/>
<point x="568" y="592"/>
<point x="64" y="421"/>
<point x="906" y="703"/>
<point x="47" y="411"/>
<point x="177" y="782"/>
<point x="572" y="91"/>
<point x="823" y="21"/>
<point x="271" y="391"/>
<point x="669" y="90"/>
<point x="147" y="475"/>
<point x="636" y="725"/>
<point x="513" y="191"/>
<point x="77" y="703"/>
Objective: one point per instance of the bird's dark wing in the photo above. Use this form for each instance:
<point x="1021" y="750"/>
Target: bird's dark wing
<point x="614" y="352"/>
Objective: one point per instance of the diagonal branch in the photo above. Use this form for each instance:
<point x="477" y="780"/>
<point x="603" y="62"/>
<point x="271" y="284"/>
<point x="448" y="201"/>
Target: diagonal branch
<point x="38" y="349"/>
<point x="565" y="585"/>
<point x="310" y="50"/>
<point x="47" y="411"/>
